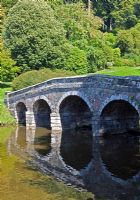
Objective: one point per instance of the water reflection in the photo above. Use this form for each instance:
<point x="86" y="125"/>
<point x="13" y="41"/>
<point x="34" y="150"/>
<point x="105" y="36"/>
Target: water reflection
<point x="76" y="148"/>
<point x="111" y="160"/>
<point x="42" y="141"/>
<point x="121" y="155"/>
<point x="21" y="137"/>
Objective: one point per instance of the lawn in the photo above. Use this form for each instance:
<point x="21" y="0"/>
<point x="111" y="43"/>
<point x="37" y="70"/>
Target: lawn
<point x="5" y="117"/>
<point x="121" y="71"/>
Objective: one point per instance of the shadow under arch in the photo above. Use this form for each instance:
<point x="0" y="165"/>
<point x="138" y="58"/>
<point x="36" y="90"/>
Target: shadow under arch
<point x="119" y="116"/>
<point x="42" y="112"/>
<point x="74" y="112"/>
<point x="76" y="140"/>
<point x="21" y="113"/>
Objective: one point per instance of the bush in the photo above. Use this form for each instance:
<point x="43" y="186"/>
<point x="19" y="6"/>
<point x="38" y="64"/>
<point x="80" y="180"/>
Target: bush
<point x="33" y="77"/>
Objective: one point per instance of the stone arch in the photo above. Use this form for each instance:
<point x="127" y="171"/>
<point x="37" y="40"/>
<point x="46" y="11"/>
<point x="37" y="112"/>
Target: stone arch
<point x="43" y="98"/>
<point x="74" y="93"/>
<point x="76" y="140"/>
<point x="71" y="114"/>
<point x="21" y="112"/>
<point x="130" y="100"/>
<point x="42" y="111"/>
<point x="119" y="114"/>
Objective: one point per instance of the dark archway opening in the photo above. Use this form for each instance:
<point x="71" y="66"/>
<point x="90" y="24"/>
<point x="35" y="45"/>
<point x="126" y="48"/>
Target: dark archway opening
<point x="42" y="114"/>
<point x="119" y="116"/>
<point x="21" y="113"/>
<point x="76" y="141"/>
<point x="75" y="113"/>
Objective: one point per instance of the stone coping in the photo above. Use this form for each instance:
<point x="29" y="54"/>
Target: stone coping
<point x="84" y="79"/>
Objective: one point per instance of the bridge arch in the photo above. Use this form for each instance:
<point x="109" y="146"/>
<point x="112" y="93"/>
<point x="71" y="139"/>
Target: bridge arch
<point x="42" y="111"/>
<point x="119" y="114"/>
<point x="76" y="139"/>
<point x="73" y="93"/>
<point x="21" y="112"/>
<point x="43" y="98"/>
<point x="75" y="110"/>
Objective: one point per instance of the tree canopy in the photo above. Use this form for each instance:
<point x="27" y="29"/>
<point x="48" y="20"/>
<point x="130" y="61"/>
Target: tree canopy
<point x="78" y="35"/>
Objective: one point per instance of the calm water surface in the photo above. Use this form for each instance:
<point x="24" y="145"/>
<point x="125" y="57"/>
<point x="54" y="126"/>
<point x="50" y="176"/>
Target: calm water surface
<point x="19" y="181"/>
<point x="109" y="167"/>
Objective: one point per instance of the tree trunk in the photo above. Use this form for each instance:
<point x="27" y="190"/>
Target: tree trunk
<point x="89" y="7"/>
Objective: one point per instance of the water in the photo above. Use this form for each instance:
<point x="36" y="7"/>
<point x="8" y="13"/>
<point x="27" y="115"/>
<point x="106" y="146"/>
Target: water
<point x="109" y="167"/>
<point x="21" y="181"/>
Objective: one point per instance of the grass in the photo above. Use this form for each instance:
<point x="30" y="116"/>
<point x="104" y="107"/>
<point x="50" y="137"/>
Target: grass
<point x="121" y="71"/>
<point x="5" y="116"/>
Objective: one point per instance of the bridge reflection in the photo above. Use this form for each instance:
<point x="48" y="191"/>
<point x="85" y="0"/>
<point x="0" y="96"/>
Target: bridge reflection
<point x="107" y="166"/>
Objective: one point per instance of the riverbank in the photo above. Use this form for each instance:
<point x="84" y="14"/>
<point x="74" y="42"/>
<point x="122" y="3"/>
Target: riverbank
<point x="5" y="117"/>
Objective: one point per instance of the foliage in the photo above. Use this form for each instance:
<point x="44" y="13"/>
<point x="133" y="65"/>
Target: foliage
<point x="7" y="4"/>
<point x="33" y="35"/>
<point x="33" y="77"/>
<point x="77" y="22"/>
<point x="8" y="68"/>
<point x="117" y="14"/>
<point x="82" y="36"/>
<point x="129" y="43"/>
<point x="91" y="47"/>
<point x="77" y="61"/>
<point x="5" y="117"/>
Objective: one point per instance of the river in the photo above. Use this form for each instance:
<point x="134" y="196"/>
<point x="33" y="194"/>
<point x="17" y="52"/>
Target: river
<point x="83" y="168"/>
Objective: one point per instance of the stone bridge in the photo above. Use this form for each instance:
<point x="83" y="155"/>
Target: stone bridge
<point x="99" y="104"/>
<point x="106" y="104"/>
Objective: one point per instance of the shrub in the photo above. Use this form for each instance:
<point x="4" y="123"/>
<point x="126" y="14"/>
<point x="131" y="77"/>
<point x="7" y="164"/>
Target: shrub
<point x="33" y="77"/>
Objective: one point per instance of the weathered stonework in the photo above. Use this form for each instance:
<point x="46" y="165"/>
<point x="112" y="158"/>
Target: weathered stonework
<point x="96" y="91"/>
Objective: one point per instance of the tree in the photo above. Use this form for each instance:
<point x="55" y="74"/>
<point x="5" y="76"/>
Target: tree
<point x="8" y="68"/>
<point x="33" y="35"/>
<point x="7" y="4"/>
<point x="118" y="13"/>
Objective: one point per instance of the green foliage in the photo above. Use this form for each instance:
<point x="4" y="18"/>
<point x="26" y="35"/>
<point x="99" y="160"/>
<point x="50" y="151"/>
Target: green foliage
<point x="5" y="116"/>
<point x="33" y="35"/>
<point x="7" y="4"/>
<point x="117" y="14"/>
<point x="92" y="48"/>
<point x="33" y="77"/>
<point x="129" y="43"/>
<point x="77" y="22"/>
<point x="8" y="68"/>
<point x="77" y="61"/>
<point x="72" y="34"/>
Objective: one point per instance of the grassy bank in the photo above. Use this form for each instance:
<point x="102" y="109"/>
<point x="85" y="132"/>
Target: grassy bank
<point x="5" y="117"/>
<point x="121" y="71"/>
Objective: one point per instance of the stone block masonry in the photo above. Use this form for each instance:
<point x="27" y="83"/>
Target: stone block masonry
<point x="107" y="104"/>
